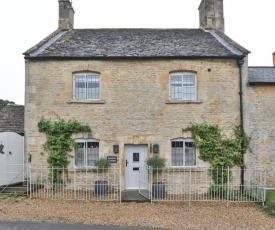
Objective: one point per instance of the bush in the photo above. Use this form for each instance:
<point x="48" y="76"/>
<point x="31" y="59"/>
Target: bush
<point x="102" y="164"/>
<point x="218" y="190"/>
<point x="157" y="163"/>
<point x="269" y="207"/>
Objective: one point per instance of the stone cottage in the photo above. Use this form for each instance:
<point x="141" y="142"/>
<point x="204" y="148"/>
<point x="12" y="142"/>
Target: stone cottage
<point x="137" y="89"/>
<point x="260" y="120"/>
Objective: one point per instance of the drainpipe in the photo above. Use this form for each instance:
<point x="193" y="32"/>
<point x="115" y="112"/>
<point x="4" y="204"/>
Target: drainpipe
<point x="240" y="63"/>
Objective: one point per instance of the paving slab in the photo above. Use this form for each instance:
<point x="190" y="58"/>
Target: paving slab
<point x="133" y="196"/>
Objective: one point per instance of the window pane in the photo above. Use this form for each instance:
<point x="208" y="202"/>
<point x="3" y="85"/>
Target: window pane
<point x="92" y="153"/>
<point x="176" y="87"/>
<point x="93" y="87"/>
<point x="190" y="154"/>
<point x="136" y="157"/>
<point x="80" y="87"/>
<point x="177" y="153"/>
<point x="188" y="85"/>
<point x="79" y="155"/>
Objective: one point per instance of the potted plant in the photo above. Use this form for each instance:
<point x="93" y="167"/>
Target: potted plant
<point x="157" y="165"/>
<point x="101" y="186"/>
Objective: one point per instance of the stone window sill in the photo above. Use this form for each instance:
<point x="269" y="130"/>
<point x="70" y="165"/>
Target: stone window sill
<point x="183" y="101"/>
<point x="87" y="101"/>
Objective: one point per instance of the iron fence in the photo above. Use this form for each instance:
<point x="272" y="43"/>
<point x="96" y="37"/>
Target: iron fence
<point x="206" y="184"/>
<point x="168" y="184"/>
<point x="75" y="184"/>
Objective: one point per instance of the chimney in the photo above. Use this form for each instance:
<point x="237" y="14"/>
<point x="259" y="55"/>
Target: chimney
<point x="66" y="15"/>
<point x="273" y="59"/>
<point x="211" y="14"/>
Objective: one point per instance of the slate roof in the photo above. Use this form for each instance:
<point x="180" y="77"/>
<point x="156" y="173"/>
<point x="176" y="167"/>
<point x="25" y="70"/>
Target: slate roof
<point x="12" y="119"/>
<point x="135" y="43"/>
<point x="261" y="75"/>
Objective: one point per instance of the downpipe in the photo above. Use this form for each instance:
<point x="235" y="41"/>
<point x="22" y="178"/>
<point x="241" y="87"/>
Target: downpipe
<point x="240" y="63"/>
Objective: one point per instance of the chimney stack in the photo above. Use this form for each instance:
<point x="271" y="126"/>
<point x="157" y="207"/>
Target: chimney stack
<point x="273" y="59"/>
<point x="66" y="15"/>
<point x="211" y="14"/>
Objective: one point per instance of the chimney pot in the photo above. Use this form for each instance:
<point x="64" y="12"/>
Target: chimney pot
<point x="66" y="15"/>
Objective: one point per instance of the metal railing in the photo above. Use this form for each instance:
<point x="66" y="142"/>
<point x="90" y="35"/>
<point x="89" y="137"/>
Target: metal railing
<point x="197" y="184"/>
<point x="75" y="184"/>
<point x="170" y="184"/>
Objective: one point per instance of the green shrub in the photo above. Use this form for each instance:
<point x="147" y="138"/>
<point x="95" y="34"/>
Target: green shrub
<point x="157" y="163"/>
<point x="269" y="207"/>
<point x="59" y="143"/>
<point x="218" y="190"/>
<point x="102" y="164"/>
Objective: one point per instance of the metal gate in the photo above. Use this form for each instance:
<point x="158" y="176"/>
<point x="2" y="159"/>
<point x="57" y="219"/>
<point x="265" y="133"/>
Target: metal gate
<point x="144" y="185"/>
<point x="11" y="158"/>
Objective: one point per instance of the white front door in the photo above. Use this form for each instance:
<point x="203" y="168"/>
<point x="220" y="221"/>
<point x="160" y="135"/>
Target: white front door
<point x="136" y="173"/>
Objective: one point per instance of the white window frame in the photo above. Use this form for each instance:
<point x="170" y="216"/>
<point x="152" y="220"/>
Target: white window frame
<point x="183" y="158"/>
<point x="182" y="74"/>
<point x="85" y="141"/>
<point x="85" y="75"/>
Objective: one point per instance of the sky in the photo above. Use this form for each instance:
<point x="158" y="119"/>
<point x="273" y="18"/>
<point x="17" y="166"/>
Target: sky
<point x="24" y="23"/>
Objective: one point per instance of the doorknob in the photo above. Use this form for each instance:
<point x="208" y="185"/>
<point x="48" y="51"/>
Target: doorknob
<point x="126" y="163"/>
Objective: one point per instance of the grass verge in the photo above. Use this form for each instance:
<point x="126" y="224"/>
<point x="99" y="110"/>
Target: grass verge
<point x="269" y="207"/>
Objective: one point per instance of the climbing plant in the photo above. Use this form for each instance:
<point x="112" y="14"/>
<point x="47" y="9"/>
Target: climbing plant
<point x="59" y="142"/>
<point x="220" y="151"/>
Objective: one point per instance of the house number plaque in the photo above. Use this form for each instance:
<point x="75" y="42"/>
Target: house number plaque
<point x="112" y="159"/>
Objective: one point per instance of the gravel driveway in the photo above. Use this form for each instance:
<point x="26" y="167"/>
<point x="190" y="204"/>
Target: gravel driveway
<point x="159" y="215"/>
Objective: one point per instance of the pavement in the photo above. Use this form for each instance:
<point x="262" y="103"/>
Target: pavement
<point x="19" y="225"/>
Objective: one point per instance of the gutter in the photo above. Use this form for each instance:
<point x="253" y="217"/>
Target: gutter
<point x="28" y="57"/>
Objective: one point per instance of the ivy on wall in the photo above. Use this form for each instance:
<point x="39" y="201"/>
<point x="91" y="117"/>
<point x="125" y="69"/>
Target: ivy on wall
<point x="59" y="141"/>
<point x="220" y="151"/>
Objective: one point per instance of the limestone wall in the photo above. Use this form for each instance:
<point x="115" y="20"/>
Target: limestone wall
<point x="134" y="106"/>
<point x="262" y="130"/>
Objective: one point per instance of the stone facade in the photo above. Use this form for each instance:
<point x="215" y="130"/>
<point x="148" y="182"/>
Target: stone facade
<point x="261" y="130"/>
<point x="134" y="106"/>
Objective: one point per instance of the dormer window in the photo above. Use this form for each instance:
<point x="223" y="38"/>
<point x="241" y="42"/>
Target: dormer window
<point x="86" y="86"/>
<point x="183" y="86"/>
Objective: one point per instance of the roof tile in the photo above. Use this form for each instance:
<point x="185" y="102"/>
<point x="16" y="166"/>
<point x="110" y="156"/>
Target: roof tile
<point x="120" y="43"/>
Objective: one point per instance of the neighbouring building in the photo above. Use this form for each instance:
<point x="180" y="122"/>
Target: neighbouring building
<point x="11" y="144"/>
<point x="261" y="110"/>
<point x="138" y="88"/>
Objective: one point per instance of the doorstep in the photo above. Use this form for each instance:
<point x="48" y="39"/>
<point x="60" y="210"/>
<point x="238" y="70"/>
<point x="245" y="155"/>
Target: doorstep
<point x="133" y="196"/>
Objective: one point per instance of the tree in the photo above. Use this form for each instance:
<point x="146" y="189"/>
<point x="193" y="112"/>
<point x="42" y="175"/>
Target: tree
<point x="3" y="103"/>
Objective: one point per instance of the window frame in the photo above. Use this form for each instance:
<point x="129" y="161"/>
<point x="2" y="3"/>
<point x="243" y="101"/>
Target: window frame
<point x="86" y="91"/>
<point x="195" y="86"/>
<point x="184" y="140"/>
<point x="85" y="141"/>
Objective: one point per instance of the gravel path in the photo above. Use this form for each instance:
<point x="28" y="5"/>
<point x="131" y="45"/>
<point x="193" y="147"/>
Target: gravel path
<point x="159" y="215"/>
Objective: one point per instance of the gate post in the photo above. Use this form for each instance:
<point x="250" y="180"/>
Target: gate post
<point x="228" y="174"/>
